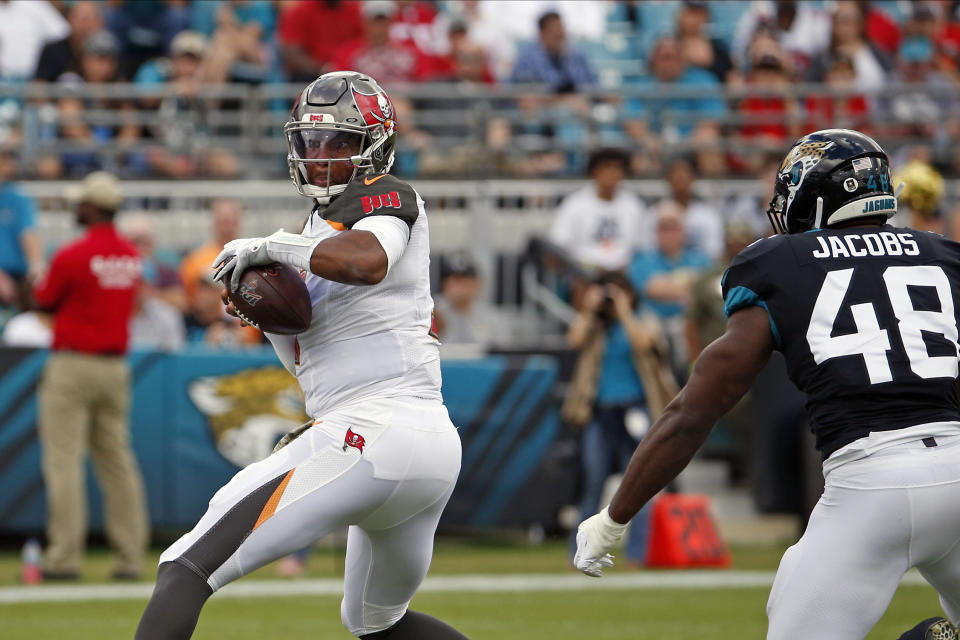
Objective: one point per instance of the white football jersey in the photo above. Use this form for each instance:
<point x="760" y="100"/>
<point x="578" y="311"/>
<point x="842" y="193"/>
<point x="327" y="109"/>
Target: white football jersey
<point x="370" y="341"/>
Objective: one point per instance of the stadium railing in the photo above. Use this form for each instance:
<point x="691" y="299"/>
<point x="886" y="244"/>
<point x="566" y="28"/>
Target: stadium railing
<point x="447" y="120"/>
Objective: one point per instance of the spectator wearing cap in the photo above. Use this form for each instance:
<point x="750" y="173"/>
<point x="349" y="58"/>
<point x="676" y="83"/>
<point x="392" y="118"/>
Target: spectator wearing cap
<point x="552" y="61"/>
<point x="62" y="56"/>
<point x="461" y="317"/>
<point x="601" y="224"/>
<point x="84" y="397"/>
<point x="21" y="256"/>
<point x="98" y="66"/>
<point x="182" y="67"/>
<point x="181" y="121"/>
<point x="26" y="26"/>
<point x="378" y="53"/>
<point x="312" y="33"/>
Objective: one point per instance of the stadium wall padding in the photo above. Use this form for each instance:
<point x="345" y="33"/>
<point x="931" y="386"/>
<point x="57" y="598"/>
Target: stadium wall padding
<point x="199" y="415"/>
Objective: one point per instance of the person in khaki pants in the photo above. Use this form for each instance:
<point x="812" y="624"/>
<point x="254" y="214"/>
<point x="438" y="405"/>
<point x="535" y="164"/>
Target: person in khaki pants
<point x="85" y="392"/>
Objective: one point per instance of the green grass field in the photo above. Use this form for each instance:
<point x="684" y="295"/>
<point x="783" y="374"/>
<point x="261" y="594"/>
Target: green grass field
<point x="720" y="614"/>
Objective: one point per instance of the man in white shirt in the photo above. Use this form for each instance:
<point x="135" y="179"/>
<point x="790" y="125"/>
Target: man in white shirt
<point x="25" y="27"/>
<point x="601" y="225"/>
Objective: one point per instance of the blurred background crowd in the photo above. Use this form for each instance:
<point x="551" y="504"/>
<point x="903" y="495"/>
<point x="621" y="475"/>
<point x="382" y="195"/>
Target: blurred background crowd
<point x="589" y="168"/>
<point x="174" y="88"/>
<point x="687" y="91"/>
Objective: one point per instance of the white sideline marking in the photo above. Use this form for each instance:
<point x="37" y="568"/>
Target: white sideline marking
<point x="464" y="584"/>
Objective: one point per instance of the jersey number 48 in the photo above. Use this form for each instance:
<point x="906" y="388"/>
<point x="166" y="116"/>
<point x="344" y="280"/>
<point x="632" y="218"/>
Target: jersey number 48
<point x="870" y="341"/>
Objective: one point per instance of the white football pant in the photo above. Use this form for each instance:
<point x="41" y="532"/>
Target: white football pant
<point x="878" y="517"/>
<point x="388" y="480"/>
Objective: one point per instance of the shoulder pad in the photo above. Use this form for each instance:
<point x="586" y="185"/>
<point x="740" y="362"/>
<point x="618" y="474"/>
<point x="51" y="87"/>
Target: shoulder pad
<point x="376" y="195"/>
<point x="761" y="247"/>
<point x="752" y="254"/>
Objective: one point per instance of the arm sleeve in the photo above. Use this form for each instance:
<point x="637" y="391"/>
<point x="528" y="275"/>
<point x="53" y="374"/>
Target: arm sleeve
<point x="563" y="229"/>
<point x="286" y="351"/>
<point x="740" y="286"/>
<point x="743" y="287"/>
<point x="392" y="233"/>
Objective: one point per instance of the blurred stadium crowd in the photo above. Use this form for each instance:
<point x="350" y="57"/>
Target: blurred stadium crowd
<point x="645" y="99"/>
<point x="174" y="88"/>
<point x="684" y="91"/>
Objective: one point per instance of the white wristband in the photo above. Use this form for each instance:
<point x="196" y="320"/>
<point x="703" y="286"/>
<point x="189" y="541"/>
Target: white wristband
<point x="612" y="530"/>
<point x="291" y="248"/>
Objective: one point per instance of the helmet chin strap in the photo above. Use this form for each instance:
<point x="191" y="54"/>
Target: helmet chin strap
<point x="818" y="218"/>
<point x="896" y="194"/>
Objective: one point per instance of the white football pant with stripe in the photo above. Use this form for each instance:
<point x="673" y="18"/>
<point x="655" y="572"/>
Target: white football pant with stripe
<point x="385" y="469"/>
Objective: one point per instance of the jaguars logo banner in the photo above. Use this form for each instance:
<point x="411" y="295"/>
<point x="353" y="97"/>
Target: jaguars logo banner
<point x="248" y="411"/>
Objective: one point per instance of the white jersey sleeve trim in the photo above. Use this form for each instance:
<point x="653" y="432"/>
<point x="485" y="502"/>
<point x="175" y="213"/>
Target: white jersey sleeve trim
<point x="393" y="234"/>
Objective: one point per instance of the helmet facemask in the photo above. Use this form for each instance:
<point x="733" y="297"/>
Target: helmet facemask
<point x="324" y="158"/>
<point x="342" y="126"/>
<point x="777" y="214"/>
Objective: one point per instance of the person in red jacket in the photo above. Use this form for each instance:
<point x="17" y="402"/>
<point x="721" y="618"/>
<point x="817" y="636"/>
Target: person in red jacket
<point x="85" y="392"/>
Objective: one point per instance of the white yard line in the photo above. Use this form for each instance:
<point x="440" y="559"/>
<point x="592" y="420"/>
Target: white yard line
<point x="437" y="584"/>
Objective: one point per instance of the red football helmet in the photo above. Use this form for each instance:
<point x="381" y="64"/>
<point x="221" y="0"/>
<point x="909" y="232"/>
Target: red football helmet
<point x="341" y="126"/>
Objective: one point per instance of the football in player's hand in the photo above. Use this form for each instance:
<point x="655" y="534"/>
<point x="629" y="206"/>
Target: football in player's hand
<point x="272" y="298"/>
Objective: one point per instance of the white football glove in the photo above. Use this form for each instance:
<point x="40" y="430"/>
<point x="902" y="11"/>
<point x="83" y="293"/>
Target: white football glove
<point x="280" y="246"/>
<point x="596" y="536"/>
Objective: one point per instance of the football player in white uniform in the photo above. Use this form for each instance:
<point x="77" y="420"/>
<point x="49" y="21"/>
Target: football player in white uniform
<point x="381" y="456"/>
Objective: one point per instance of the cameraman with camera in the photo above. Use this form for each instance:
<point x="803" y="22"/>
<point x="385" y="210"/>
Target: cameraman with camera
<point x="621" y="382"/>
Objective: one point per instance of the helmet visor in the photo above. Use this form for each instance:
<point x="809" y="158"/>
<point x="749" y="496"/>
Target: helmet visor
<point x="325" y="157"/>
